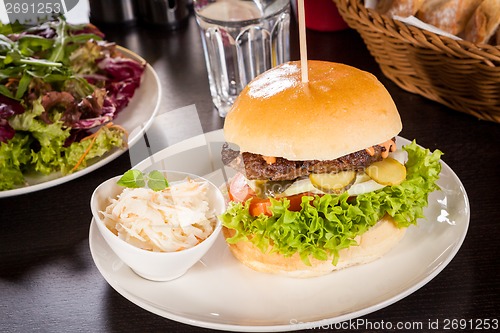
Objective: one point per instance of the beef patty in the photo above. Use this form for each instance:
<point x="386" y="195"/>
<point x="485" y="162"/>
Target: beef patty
<point x="254" y="167"/>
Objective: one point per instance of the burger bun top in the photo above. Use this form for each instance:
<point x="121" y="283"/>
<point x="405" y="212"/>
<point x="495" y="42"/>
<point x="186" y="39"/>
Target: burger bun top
<point x="339" y="111"/>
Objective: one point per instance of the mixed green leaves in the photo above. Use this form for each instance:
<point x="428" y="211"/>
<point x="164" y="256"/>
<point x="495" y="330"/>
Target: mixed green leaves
<point x="41" y="52"/>
<point x="61" y="85"/>
<point x="134" y="179"/>
<point x="329" y="223"/>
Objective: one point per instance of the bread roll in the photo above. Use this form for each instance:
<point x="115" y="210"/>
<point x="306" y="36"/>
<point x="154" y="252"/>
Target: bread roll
<point x="403" y="8"/>
<point x="337" y="102"/>
<point x="484" y="23"/>
<point x="448" y="15"/>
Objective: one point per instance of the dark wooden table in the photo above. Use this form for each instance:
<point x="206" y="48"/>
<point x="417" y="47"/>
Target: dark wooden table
<point x="48" y="280"/>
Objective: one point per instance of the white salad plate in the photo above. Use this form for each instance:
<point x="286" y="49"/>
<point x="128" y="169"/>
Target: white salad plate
<point x="136" y="118"/>
<point x="221" y="293"/>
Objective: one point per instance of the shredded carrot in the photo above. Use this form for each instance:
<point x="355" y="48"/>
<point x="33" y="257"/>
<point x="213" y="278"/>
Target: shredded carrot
<point x="85" y="152"/>
<point x="94" y="136"/>
<point x="11" y="81"/>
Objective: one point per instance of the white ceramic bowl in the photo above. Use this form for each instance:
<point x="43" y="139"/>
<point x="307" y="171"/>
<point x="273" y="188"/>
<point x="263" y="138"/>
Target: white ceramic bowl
<point x="156" y="266"/>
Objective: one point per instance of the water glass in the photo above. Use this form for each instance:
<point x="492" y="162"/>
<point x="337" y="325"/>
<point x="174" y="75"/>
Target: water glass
<point x="241" y="39"/>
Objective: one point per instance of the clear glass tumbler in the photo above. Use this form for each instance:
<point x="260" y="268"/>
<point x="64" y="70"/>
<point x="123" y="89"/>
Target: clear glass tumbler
<point x="241" y="39"/>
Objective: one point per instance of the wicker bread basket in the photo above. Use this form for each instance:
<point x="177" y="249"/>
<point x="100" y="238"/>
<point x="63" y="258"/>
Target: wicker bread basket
<point x="456" y="73"/>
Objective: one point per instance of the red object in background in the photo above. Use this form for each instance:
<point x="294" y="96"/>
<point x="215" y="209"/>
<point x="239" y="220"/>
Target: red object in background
<point x="323" y="15"/>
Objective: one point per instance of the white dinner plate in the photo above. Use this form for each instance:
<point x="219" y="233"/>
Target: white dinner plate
<point x="136" y="118"/>
<point x="221" y="293"/>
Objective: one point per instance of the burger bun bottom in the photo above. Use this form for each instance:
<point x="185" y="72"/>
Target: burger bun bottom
<point x="373" y="244"/>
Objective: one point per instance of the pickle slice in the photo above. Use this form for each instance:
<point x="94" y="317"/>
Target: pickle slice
<point x="362" y="177"/>
<point x="387" y="172"/>
<point x="333" y="182"/>
<point x="264" y="188"/>
<point x="300" y="186"/>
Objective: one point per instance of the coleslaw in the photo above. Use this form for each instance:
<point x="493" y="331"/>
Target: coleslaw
<point x="173" y="219"/>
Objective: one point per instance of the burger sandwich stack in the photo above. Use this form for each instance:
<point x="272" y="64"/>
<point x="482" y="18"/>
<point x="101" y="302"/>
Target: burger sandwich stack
<point x="319" y="183"/>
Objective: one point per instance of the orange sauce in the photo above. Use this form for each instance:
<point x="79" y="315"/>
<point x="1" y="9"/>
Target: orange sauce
<point x="389" y="146"/>
<point x="370" y="151"/>
<point x="269" y="159"/>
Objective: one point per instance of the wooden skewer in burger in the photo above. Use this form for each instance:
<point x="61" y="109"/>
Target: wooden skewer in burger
<point x="319" y="185"/>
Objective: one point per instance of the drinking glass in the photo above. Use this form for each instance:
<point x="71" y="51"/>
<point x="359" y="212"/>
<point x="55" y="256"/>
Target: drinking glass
<point x="241" y="39"/>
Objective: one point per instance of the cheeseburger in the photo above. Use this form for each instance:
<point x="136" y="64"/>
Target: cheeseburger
<point x="319" y="182"/>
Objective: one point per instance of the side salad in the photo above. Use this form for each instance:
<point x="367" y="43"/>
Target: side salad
<point x="61" y="85"/>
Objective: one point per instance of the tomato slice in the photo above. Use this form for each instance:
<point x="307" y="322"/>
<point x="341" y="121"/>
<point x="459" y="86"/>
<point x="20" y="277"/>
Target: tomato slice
<point x="295" y="201"/>
<point x="239" y="191"/>
<point x="261" y="206"/>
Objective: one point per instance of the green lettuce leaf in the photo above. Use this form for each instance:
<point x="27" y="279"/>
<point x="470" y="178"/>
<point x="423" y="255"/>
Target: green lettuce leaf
<point x="49" y="154"/>
<point x="329" y="223"/>
<point x="13" y="155"/>
<point x="61" y="62"/>
<point x="106" y="139"/>
<point x="50" y="137"/>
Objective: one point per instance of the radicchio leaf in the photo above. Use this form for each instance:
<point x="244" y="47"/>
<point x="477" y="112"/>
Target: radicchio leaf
<point x="6" y="131"/>
<point x="96" y="110"/>
<point x="119" y="69"/>
<point x="75" y="136"/>
<point x="121" y="92"/>
<point x="8" y="108"/>
<point x="88" y="29"/>
<point x="123" y="77"/>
